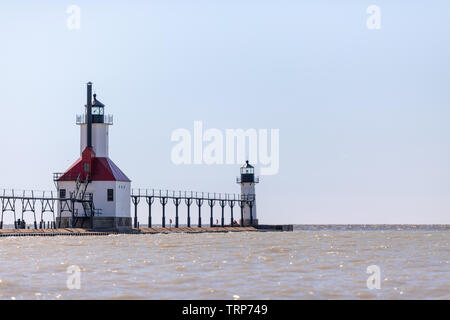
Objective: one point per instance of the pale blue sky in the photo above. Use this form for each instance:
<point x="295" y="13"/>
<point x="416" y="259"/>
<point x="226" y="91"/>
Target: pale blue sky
<point x="363" y="114"/>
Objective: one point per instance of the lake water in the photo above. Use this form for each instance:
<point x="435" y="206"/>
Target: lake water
<point x="304" y="264"/>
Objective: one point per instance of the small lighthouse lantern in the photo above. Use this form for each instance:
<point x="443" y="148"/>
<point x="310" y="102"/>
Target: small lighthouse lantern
<point x="247" y="173"/>
<point x="98" y="111"/>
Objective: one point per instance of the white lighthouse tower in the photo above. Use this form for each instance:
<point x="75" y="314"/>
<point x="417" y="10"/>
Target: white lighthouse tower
<point x="98" y="191"/>
<point x="248" y="181"/>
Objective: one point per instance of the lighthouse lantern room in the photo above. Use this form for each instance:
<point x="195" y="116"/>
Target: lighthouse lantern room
<point x="98" y="190"/>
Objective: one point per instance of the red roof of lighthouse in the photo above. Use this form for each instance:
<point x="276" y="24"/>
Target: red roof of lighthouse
<point x="103" y="169"/>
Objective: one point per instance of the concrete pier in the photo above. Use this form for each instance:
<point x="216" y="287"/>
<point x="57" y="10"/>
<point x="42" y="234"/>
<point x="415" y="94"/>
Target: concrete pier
<point x="87" y="232"/>
<point x="50" y="232"/>
<point x="154" y="230"/>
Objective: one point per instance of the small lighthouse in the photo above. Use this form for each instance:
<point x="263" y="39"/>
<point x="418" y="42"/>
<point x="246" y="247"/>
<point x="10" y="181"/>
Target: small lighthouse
<point x="98" y="190"/>
<point x="248" y="181"/>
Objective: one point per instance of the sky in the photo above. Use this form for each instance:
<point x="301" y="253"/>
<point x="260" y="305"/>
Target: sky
<point x="363" y="114"/>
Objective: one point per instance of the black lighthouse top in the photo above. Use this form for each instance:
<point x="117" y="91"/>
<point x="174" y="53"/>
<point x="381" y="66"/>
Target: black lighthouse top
<point x="98" y="112"/>
<point x="94" y="111"/>
<point x="247" y="173"/>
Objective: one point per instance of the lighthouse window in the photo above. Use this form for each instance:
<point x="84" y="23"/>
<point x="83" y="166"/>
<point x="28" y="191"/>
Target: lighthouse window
<point x="86" y="167"/>
<point x="97" y="110"/>
<point x="110" y="194"/>
<point x="62" y="193"/>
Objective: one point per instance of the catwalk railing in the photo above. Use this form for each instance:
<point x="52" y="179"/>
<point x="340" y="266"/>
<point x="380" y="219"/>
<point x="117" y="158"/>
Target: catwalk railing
<point x="189" y="198"/>
<point x="43" y="203"/>
<point x="25" y="202"/>
<point x="37" y="203"/>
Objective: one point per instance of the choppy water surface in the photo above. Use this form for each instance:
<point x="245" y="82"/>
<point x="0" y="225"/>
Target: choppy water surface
<point x="317" y="264"/>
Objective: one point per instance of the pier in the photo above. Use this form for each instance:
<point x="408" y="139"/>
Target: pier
<point x="31" y="205"/>
<point x="87" y="232"/>
<point x="42" y="203"/>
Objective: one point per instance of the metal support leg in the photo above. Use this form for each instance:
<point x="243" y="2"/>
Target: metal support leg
<point x="150" y="202"/>
<point x="163" y="203"/>
<point x="199" y="204"/>
<point x="188" y="202"/>
<point x="231" y="203"/>
<point x="223" y="203"/>
<point x="135" y="200"/>
<point x="211" y="217"/>
<point x="177" y="202"/>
